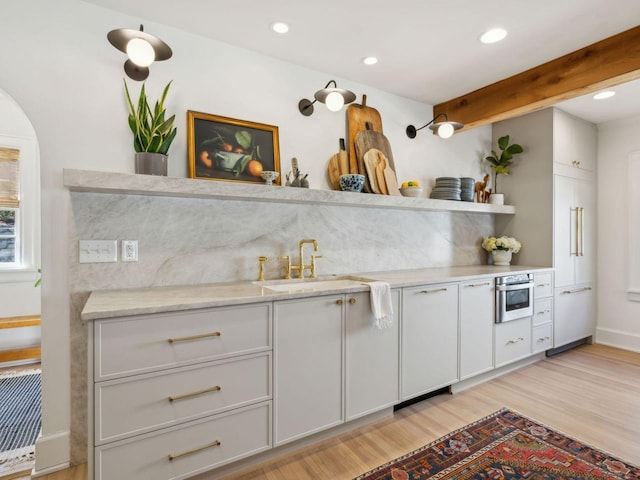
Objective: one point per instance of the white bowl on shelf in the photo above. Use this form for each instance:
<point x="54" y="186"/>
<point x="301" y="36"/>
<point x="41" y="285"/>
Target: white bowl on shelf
<point x="411" y="191"/>
<point x="269" y="176"/>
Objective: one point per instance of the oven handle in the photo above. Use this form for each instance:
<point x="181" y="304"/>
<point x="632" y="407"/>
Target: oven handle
<point x="518" y="286"/>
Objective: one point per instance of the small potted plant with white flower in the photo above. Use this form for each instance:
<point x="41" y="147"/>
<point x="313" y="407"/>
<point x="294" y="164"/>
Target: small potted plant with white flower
<point x="501" y="248"/>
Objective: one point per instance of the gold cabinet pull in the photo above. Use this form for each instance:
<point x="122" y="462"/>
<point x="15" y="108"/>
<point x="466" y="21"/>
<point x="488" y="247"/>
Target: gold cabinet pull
<point x="543" y="312"/>
<point x="472" y="285"/>
<point x="217" y="388"/>
<point x="352" y="300"/>
<point x="542" y="339"/>
<point x="339" y="301"/>
<point x="195" y="450"/>
<point x="519" y="339"/>
<point x="578" y="290"/>
<point x="435" y="290"/>
<point x="193" y="337"/>
<point x="542" y="285"/>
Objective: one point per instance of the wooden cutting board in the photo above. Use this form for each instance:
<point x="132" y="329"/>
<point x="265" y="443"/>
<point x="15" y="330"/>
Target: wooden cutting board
<point x="333" y="169"/>
<point x="343" y="159"/>
<point x="357" y="117"/>
<point x="365" y="141"/>
<point x="371" y="162"/>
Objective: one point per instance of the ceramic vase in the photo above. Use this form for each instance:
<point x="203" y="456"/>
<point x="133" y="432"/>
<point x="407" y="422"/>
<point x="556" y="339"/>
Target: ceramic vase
<point x="151" y="163"/>
<point x="501" y="257"/>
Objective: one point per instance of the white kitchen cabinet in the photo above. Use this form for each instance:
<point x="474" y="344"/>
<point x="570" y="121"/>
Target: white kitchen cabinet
<point x="429" y="338"/>
<point x="575" y="233"/>
<point x="175" y="394"/>
<point x="542" y="320"/>
<point x="372" y="358"/>
<point x="575" y="141"/>
<point x="308" y="362"/>
<point x="556" y="200"/>
<point x="575" y="313"/>
<point x="477" y="313"/>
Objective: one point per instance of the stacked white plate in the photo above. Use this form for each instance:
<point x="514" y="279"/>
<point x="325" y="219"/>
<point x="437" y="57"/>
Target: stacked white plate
<point x="467" y="189"/>
<point x="447" y="188"/>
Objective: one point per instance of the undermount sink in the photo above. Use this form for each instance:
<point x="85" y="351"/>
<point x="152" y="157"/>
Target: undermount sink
<point x="313" y="284"/>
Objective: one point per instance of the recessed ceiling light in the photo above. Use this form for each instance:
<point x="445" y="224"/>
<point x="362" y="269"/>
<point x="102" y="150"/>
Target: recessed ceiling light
<point x="279" y="27"/>
<point x="603" y="95"/>
<point x="370" y="60"/>
<point x="494" y="35"/>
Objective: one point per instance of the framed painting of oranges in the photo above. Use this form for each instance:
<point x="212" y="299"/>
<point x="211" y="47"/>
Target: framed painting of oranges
<point x="222" y="148"/>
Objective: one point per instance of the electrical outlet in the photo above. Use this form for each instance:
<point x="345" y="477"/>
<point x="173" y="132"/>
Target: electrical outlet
<point x="129" y="250"/>
<point x="98" y="251"/>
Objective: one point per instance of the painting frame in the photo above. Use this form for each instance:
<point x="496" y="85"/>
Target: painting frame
<point x="229" y="149"/>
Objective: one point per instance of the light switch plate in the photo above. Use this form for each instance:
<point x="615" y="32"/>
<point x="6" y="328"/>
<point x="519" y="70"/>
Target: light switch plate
<point x="98" y="251"/>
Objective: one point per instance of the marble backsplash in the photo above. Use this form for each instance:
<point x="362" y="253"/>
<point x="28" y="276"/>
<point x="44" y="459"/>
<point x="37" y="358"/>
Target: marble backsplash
<point x="192" y="241"/>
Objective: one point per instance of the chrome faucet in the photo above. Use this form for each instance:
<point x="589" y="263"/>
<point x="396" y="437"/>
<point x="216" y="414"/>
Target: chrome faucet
<point x="301" y="267"/>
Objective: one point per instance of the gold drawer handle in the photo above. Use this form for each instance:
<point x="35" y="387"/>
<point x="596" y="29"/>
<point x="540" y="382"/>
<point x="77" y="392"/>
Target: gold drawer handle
<point x="478" y="284"/>
<point x="542" y="339"/>
<point x="542" y="285"/>
<point x="193" y="337"/>
<point x="217" y="388"/>
<point x="543" y="312"/>
<point x="434" y="291"/>
<point x="520" y="339"/>
<point x="339" y="301"/>
<point x="352" y="300"/>
<point x="577" y="290"/>
<point x="195" y="450"/>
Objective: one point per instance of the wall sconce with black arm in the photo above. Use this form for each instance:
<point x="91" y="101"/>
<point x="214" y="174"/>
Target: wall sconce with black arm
<point x="444" y="129"/>
<point x="141" y="48"/>
<point x="335" y="98"/>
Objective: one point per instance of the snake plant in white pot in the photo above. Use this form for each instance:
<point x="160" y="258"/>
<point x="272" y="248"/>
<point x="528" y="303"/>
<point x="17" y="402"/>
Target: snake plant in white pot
<point x="152" y="133"/>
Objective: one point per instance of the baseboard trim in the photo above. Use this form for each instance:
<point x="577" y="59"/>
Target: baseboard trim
<point x="52" y="454"/>
<point x="293" y="446"/>
<point x="618" y="338"/>
<point x="47" y="471"/>
<point x="498" y="372"/>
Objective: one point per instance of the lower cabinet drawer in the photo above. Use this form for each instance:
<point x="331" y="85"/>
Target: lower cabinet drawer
<point x="153" y="401"/>
<point x="134" y="345"/>
<point x="512" y="341"/>
<point x="185" y="450"/>
<point x="542" y="311"/>
<point x="543" y="284"/>
<point x="542" y="338"/>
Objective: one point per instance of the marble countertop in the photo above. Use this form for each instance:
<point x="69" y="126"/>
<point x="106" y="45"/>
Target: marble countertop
<point x="137" y="301"/>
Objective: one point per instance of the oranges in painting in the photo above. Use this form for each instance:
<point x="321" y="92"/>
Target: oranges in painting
<point x="254" y="167"/>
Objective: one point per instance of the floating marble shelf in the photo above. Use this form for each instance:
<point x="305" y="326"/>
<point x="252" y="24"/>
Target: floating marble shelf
<point x="150" y="185"/>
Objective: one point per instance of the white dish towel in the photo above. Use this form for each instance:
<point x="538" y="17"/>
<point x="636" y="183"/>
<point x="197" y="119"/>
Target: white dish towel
<point x="381" y="305"/>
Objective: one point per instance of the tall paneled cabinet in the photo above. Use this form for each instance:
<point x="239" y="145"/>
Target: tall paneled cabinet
<point x="553" y="187"/>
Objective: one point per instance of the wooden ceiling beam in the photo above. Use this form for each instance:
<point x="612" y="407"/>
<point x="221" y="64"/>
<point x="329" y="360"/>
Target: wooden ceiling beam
<point x="604" y="64"/>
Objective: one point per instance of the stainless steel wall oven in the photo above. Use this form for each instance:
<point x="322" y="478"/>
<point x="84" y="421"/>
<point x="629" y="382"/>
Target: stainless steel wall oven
<point x="514" y="297"/>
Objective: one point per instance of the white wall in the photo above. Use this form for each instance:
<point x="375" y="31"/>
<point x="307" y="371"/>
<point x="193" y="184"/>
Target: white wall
<point x="58" y="65"/>
<point x="618" y="317"/>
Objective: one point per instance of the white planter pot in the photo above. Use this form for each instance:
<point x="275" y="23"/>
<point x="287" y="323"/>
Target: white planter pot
<point x="497" y="199"/>
<point x="501" y="257"/>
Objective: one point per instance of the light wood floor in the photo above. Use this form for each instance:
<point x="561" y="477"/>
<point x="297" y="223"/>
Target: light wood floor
<point x="591" y="393"/>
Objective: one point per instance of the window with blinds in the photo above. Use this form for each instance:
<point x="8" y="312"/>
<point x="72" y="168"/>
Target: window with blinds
<point x="9" y="204"/>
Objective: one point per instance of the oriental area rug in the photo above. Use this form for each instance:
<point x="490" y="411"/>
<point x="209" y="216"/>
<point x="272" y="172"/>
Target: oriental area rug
<point x="505" y="446"/>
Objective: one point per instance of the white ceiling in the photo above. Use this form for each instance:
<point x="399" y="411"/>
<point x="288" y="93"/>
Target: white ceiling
<point x="428" y="50"/>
